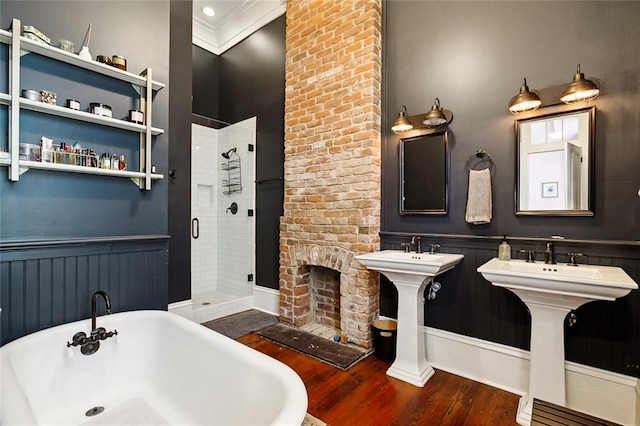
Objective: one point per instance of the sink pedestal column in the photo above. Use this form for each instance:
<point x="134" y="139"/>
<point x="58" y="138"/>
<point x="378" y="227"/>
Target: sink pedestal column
<point x="551" y="292"/>
<point x="546" y="368"/>
<point x="410" y="273"/>
<point x="411" y="363"/>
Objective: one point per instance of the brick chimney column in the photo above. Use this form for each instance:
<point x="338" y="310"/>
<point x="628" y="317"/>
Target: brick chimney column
<point x="332" y="156"/>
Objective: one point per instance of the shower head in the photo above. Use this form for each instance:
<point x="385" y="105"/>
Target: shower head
<point x="227" y="154"/>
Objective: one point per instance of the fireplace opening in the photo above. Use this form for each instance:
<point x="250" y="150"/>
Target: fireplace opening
<point x="324" y="289"/>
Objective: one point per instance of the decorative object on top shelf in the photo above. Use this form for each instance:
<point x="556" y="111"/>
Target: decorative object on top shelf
<point x="66" y="45"/>
<point x="25" y="46"/>
<point x="434" y="119"/>
<point x="119" y="62"/>
<point x="116" y="61"/>
<point x="84" y="51"/>
<point x="580" y="90"/>
<point x="32" y="33"/>
<point x="233" y="183"/>
<point x="104" y="59"/>
<point x="525" y="100"/>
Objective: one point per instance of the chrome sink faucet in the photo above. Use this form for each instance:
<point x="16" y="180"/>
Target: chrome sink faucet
<point x="418" y="242"/>
<point x="549" y="254"/>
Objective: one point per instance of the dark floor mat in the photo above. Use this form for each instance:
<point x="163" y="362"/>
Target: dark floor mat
<point x="336" y="354"/>
<point x="243" y="323"/>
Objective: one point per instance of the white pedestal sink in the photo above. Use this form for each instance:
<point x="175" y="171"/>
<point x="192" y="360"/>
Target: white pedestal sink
<point x="410" y="273"/>
<point x="551" y="292"/>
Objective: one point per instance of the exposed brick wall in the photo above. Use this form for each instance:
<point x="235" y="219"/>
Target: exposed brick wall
<point x="332" y="156"/>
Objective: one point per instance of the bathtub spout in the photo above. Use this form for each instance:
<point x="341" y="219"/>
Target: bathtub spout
<point x="90" y="344"/>
<point x="94" y="305"/>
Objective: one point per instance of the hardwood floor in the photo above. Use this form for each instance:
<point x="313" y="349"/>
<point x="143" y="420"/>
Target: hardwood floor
<point x="365" y="395"/>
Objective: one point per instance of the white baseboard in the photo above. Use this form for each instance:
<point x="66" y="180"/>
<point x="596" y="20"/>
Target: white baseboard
<point x="209" y="313"/>
<point x="266" y="299"/>
<point x="611" y="396"/>
<point x="183" y="308"/>
<point x="212" y="312"/>
<point x="263" y="298"/>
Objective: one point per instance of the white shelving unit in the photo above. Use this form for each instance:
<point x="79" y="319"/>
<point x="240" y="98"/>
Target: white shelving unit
<point x="143" y="83"/>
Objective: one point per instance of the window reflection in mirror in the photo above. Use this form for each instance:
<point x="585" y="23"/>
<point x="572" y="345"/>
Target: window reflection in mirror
<point x="555" y="162"/>
<point x="424" y="174"/>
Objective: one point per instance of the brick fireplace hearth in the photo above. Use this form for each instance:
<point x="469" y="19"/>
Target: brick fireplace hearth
<point x="332" y="163"/>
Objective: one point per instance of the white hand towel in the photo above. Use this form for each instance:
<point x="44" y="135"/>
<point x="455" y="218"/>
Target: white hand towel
<point x="479" y="197"/>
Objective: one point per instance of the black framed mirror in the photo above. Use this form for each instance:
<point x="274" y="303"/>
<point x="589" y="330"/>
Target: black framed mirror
<point x="424" y="174"/>
<point x="554" y="162"/>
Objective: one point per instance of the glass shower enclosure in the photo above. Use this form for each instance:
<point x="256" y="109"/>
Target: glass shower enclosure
<point x="222" y="218"/>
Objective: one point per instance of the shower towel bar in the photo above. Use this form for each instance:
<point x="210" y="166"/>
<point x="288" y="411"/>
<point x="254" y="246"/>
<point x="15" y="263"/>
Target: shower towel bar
<point x="259" y="182"/>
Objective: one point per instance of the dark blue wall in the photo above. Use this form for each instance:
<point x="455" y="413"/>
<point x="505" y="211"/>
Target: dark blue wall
<point x="45" y="284"/>
<point x="60" y="232"/>
<point x="46" y="204"/>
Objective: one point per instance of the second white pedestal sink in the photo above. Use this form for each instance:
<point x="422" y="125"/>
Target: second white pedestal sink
<point x="410" y="273"/>
<point x="551" y="292"/>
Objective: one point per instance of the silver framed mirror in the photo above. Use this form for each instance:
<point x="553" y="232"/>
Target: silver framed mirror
<point x="554" y="161"/>
<point x="424" y="174"/>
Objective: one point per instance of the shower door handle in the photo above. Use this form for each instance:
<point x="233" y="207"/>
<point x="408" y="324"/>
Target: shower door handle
<point x="195" y="228"/>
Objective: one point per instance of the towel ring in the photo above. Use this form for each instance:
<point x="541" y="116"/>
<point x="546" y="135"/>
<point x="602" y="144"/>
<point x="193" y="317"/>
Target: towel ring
<point x="481" y="156"/>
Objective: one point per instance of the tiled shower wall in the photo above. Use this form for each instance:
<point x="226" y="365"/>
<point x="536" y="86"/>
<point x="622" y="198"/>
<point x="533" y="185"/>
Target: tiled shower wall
<point x="222" y="256"/>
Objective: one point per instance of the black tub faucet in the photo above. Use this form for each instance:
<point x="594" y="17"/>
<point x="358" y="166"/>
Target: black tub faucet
<point x="91" y="343"/>
<point x="94" y="305"/>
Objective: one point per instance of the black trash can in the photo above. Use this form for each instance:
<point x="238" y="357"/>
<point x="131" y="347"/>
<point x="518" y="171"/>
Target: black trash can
<point x="384" y="339"/>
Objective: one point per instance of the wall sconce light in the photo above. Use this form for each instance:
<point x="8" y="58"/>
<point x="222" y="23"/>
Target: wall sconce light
<point x="525" y="100"/>
<point x="402" y="123"/>
<point x="437" y="117"/>
<point x="580" y="90"/>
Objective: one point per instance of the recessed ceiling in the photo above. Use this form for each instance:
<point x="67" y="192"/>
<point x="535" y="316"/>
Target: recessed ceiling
<point x="234" y="20"/>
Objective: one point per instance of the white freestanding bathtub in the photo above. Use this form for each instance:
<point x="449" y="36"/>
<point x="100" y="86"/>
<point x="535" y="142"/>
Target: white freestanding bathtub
<point x="160" y="369"/>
